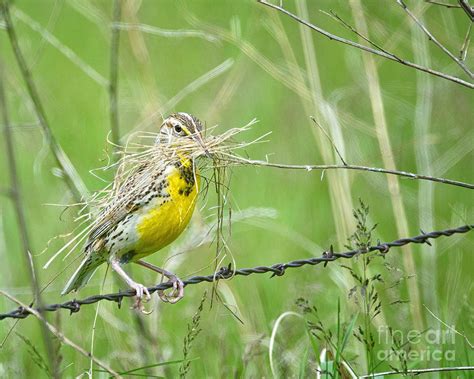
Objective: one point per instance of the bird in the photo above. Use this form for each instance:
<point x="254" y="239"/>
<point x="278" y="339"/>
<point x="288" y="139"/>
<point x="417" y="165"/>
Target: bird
<point x="145" y="218"/>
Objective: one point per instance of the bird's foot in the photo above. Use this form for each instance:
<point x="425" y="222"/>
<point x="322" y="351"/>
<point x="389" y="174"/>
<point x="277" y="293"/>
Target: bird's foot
<point x="178" y="290"/>
<point x="142" y="295"/>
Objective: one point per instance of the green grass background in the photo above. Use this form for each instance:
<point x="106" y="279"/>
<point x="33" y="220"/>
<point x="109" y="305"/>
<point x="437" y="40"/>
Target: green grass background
<point x="425" y="117"/>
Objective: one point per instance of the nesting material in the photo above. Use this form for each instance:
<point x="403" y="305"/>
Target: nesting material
<point x="140" y="162"/>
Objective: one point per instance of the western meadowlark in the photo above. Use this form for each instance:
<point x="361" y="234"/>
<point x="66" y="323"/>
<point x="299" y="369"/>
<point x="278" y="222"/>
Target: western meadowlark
<point x="154" y="214"/>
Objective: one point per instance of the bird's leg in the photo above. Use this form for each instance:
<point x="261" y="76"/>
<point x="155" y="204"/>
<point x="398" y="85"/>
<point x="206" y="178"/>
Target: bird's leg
<point x="178" y="285"/>
<point x="140" y="289"/>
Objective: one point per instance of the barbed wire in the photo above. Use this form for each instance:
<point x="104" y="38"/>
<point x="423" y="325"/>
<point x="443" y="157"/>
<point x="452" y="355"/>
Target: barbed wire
<point x="227" y="272"/>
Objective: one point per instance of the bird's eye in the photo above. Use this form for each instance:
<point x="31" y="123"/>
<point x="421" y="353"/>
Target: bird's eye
<point x="178" y="129"/>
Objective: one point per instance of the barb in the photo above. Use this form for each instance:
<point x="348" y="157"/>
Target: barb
<point x="368" y="49"/>
<point x="277" y="269"/>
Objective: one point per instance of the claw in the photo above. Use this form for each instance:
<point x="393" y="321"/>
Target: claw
<point x="140" y="291"/>
<point x="177" y="293"/>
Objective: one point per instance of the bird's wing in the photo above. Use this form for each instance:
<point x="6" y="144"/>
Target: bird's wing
<point x="123" y="203"/>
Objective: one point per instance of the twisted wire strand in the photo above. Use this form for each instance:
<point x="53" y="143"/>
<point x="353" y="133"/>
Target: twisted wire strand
<point x="227" y="272"/>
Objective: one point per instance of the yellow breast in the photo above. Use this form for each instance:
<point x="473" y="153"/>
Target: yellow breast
<point x="164" y="223"/>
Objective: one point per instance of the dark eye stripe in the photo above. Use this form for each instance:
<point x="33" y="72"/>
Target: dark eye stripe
<point x="188" y="123"/>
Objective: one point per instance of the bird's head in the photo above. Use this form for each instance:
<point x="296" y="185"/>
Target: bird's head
<point x="182" y="125"/>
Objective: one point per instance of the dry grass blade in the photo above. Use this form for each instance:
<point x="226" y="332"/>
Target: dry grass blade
<point x="61" y="47"/>
<point x="113" y="84"/>
<point x="15" y="194"/>
<point x="388" y="157"/>
<point x="424" y="152"/>
<point x="465" y="44"/>
<point x="72" y="178"/>
<point x="190" y="88"/>
<point x="178" y="33"/>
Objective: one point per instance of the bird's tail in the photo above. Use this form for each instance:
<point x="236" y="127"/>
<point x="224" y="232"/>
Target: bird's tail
<point x="83" y="273"/>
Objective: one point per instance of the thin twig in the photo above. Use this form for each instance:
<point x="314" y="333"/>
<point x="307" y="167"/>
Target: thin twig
<point x="442" y="4"/>
<point x="467" y="9"/>
<point x="296" y="84"/>
<point x="71" y="176"/>
<point x="431" y="37"/>
<point x="278" y="269"/>
<point x="15" y="195"/>
<point x="59" y="335"/>
<point x="330" y="140"/>
<point x="368" y="49"/>
<point x="348" y="26"/>
<point x="405" y="174"/>
<point x="113" y="84"/>
<point x="446" y="5"/>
